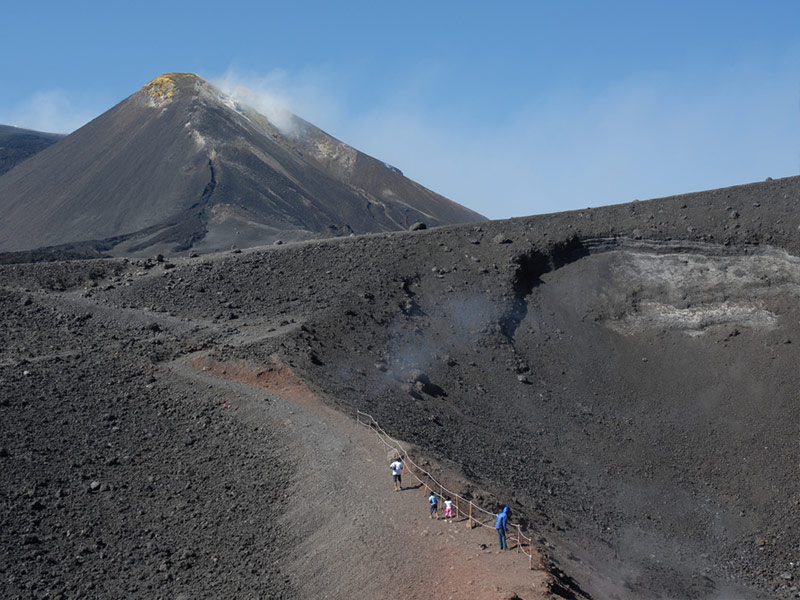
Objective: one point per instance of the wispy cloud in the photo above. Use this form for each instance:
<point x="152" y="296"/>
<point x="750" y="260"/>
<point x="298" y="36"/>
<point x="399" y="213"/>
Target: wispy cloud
<point x="55" y="111"/>
<point x="649" y="136"/>
<point x="642" y="138"/>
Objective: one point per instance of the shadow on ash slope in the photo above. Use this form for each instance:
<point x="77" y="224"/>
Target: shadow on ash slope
<point x="666" y="380"/>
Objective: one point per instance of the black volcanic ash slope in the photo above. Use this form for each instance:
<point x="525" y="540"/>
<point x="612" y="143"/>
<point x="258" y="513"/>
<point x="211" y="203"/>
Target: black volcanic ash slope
<point x="624" y="377"/>
<point x="178" y="165"/>
<point x="17" y="145"/>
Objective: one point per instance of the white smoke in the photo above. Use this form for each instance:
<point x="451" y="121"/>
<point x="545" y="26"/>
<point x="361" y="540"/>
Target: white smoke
<point x="282" y="97"/>
<point x="266" y="94"/>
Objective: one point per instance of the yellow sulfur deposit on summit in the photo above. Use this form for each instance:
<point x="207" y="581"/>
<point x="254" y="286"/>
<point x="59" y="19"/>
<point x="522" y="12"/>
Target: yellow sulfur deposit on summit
<point x="163" y="87"/>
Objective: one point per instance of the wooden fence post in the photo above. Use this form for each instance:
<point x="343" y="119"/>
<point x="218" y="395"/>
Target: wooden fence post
<point x="470" y="514"/>
<point x="530" y="554"/>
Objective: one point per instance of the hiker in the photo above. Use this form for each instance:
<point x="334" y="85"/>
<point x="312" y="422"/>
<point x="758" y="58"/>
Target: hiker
<point x="397" y="470"/>
<point x="434" y="505"/>
<point x="448" y="509"/>
<point x="500" y="525"/>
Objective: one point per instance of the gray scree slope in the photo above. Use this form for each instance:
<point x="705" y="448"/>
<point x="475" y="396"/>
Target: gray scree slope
<point x="625" y="378"/>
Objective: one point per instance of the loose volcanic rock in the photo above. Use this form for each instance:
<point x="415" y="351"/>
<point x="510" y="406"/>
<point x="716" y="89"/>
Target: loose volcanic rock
<point x="665" y="477"/>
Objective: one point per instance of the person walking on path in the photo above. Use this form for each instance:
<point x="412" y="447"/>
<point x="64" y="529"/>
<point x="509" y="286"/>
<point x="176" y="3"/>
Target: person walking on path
<point x="448" y="509"/>
<point x="434" y="505"/>
<point x="397" y="472"/>
<point x="500" y="524"/>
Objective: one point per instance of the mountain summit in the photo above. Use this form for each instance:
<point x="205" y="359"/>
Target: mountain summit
<point x="179" y="165"/>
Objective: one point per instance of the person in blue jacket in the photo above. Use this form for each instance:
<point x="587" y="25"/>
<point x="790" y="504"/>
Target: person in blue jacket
<point x="434" y="505"/>
<point x="500" y="524"/>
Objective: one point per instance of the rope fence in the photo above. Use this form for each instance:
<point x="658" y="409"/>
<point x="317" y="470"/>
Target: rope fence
<point x="477" y="516"/>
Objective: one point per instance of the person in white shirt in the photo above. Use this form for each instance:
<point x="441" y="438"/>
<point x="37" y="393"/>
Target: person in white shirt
<point x="448" y="509"/>
<point x="397" y="471"/>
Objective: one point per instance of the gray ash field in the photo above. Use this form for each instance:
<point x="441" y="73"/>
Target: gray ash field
<point x="625" y="378"/>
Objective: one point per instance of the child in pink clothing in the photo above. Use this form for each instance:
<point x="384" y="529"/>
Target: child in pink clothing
<point x="448" y="509"/>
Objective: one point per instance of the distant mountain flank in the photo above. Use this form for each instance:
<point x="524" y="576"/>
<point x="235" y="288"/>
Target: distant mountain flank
<point x="181" y="166"/>
<point x="17" y="145"/>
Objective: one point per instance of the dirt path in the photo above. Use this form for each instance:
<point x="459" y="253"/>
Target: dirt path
<point x="358" y="538"/>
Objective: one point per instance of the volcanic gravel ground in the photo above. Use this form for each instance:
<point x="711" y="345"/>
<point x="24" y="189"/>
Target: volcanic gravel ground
<point x="355" y="536"/>
<point x="129" y="474"/>
<point x="118" y="482"/>
<point x="624" y="378"/>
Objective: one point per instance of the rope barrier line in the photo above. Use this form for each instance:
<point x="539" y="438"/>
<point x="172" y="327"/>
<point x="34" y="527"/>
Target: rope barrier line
<point x="438" y="489"/>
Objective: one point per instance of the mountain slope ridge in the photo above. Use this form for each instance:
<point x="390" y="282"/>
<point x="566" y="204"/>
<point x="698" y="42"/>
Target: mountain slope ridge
<point x="142" y="166"/>
<point x="18" y="144"/>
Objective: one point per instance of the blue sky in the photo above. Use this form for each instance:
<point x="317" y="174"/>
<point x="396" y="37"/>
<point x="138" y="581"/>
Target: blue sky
<point x="510" y="108"/>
